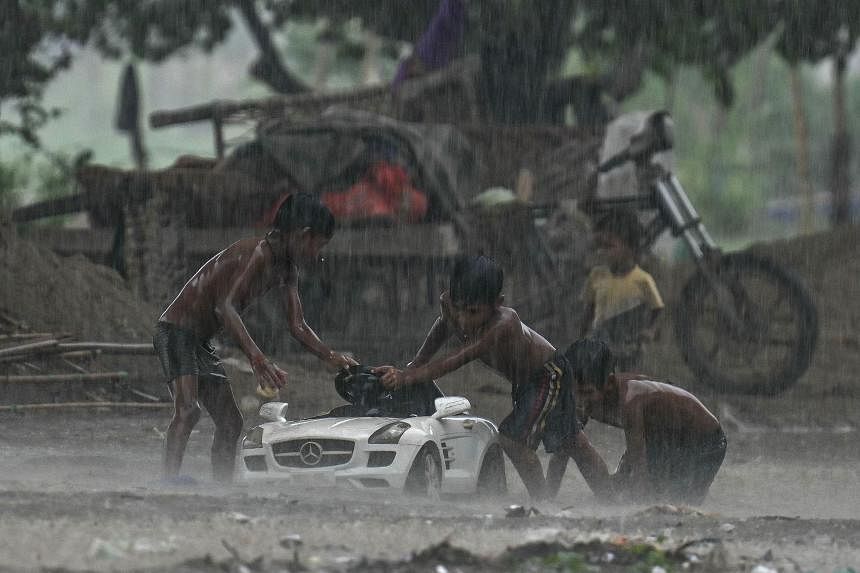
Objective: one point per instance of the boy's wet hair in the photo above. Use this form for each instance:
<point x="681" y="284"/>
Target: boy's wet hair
<point x="476" y="280"/>
<point x="591" y="361"/>
<point x="303" y="210"/>
<point x="624" y="224"/>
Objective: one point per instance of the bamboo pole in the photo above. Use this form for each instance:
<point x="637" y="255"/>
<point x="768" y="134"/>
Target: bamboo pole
<point x="86" y="354"/>
<point x="50" y="352"/>
<point x="29" y="347"/>
<point x="49" y="378"/>
<point x="81" y="405"/>
<point x="108" y="347"/>
<point x="29" y="335"/>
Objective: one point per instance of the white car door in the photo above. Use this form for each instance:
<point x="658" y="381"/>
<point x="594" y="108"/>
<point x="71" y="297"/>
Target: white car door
<point x="462" y="440"/>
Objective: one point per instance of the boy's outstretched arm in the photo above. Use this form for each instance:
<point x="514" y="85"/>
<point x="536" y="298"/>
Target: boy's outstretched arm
<point x="305" y="335"/>
<point x="436" y="337"/>
<point x="267" y="373"/>
<point x="434" y="369"/>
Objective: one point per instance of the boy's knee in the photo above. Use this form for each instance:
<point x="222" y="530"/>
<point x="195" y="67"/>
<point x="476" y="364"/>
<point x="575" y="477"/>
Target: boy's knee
<point x="187" y="414"/>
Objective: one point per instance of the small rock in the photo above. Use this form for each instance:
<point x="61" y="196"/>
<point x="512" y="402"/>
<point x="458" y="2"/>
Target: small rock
<point x="608" y="557"/>
<point x="101" y="549"/>
<point x="291" y="541"/>
<point x="515" y="511"/>
<point x="657" y="569"/>
<point x="727" y="527"/>
<point x="441" y="569"/>
<point x="763" y="569"/>
<point x="239" y="517"/>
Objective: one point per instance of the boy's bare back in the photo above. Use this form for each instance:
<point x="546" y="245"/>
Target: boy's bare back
<point x="665" y="409"/>
<point x="238" y="274"/>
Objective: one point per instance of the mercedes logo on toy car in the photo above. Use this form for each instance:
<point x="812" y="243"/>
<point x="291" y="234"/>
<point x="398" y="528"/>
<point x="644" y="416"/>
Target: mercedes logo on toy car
<point x="310" y="453"/>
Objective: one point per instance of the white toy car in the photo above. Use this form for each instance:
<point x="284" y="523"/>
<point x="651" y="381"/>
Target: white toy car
<point x="414" y="440"/>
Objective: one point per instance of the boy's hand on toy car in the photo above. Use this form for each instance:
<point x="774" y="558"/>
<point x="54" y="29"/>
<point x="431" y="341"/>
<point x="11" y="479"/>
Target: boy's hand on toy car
<point x="392" y="378"/>
<point x="268" y="374"/>
<point x="341" y="361"/>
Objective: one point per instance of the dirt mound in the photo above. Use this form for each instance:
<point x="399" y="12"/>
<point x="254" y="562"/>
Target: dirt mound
<point x="49" y="293"/>
<point x="71" y="299"/>
<point x="828" y="265"/>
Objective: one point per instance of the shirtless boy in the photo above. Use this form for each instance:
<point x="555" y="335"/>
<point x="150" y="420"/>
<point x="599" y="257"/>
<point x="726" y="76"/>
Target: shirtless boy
<point x="543" y="403"/>
<point x="675" y="446"/>
<point x="213" y="299"/>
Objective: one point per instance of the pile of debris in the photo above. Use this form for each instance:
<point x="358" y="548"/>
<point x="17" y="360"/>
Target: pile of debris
<point x="40" y="366"/>
<point x="51" y="309"/>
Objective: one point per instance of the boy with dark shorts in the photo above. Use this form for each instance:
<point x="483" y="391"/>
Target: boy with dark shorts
<point x="675" y="446"/>
<point x="213" y="299"/>
<point x="543" y="402"/>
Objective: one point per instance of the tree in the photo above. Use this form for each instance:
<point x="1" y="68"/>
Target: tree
<point x="523" y="44"/>
<point x="811" y="32"/>
<point x="26" y="65"/>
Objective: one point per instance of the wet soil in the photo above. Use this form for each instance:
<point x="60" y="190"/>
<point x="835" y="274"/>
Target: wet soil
<point x="82" y="492"/>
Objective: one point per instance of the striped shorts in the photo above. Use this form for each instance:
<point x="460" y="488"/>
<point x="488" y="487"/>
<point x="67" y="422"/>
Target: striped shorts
<point x="543" y="409"/>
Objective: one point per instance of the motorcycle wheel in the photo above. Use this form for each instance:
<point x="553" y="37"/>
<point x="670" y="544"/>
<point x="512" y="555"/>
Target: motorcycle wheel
<point x="750" y="330"/>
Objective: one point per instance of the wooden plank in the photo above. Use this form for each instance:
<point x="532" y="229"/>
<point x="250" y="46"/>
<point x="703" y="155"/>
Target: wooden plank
<point x="108" y="347"/>
<point x="49" y="208"/>
<point x="31" y="335"/>
<point x="423" y="241"/>
<point x="29" y="348"/>
<point x="64" y="378"/>
<point x="420" y="241"/>
<point x="82" y="405"/>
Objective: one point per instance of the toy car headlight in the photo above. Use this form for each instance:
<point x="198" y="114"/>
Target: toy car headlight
<point x="389" y="434"/>
<point x="253" y="439"/>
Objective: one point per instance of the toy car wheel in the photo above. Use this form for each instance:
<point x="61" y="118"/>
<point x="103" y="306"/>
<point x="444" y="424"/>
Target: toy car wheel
<point x="491" y="479"/>
<point x="425" y="475"/>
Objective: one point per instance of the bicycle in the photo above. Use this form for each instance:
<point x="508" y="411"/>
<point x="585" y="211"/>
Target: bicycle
<point x="744" y="323"/>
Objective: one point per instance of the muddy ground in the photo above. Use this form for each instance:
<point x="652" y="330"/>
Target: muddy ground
<point x="80" y="491"/>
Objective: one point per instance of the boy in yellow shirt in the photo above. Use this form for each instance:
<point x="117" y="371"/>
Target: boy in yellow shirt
<point x="622" y="304"/>
<point x="622" y="301"/>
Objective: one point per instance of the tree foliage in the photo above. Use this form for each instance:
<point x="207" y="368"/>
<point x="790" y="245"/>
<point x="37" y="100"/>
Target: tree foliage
<point x="523" y="44"/>
<point x="26" y="65"/>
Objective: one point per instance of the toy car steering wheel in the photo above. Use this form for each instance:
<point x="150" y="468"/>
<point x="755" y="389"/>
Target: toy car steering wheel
<point x="359" y="386"/>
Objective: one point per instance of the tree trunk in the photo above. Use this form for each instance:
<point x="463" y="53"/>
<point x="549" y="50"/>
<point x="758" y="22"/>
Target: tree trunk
<point x="523" y="43"/>
<point x="268" y="68"/>
<point x="801" y="150"/>
<point x="841" y="147"/>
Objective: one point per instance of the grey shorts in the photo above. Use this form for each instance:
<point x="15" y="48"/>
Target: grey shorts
<point x="181" y="353"/>
<point x="685" y="473"/>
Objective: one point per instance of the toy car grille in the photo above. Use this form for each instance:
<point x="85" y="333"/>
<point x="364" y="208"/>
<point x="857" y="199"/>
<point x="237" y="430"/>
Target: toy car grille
<point x="312" y="453"/>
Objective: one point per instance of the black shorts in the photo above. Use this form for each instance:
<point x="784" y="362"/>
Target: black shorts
<point x="544" y="409"/>
<point x="685" y="473"/>
<point x="181" y="353"/>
